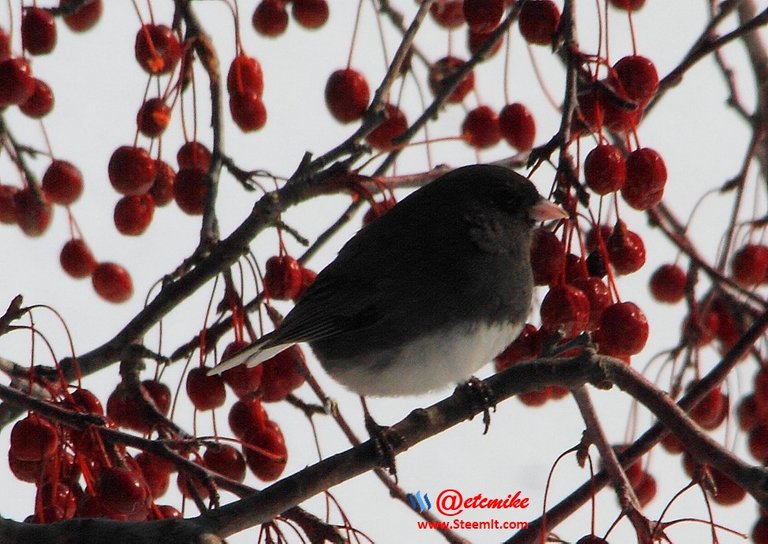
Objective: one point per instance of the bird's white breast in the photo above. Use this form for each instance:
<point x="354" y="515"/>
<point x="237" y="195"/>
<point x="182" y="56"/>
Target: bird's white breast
<point x="428" y="363"/>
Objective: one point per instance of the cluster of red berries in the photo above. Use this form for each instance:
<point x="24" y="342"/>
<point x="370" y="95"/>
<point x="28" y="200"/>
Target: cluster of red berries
<point x="347" y="93"/>
<point x="579" y="299"/>
<point x="270" y="18"/>
<point x="31" y="207"/>
<point x="77" y="474"/>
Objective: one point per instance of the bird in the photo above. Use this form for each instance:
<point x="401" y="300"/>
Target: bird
<point x="427" y="293"/>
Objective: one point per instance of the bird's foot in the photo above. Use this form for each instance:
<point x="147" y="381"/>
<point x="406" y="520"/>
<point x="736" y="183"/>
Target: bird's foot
<point x="384" y="439"/>
<point x="481" y="395"/>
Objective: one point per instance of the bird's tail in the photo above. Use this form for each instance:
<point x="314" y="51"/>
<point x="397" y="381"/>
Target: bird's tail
<point x="252" y="356"/>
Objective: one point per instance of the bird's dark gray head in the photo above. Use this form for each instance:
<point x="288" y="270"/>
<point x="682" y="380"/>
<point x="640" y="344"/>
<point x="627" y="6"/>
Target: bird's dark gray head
<point x="489" y="186"/>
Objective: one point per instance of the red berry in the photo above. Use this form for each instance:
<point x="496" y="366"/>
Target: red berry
<point x="616" y="110"/>
<point x="153" y="117"/>
<point x="668" y="283"/>
<point x="699" y="328"/>
<point x="242" y="379"/>
<point x="393" y="126"/>
<point x="155" y="472"/>
<point x="206" y="392"/>
<point x="26" y="471"/>
<point x="442" y="73"/>
<point x="646" y="489"/>
<point x="83" y="18"/>
<point x="162" y="186"/>
<point x="112" y="282"/>
<point x="347" y="95"/>
<point x="131" y="170"/>
<point x="310" y="13"/>
<point x="16" y="81"/>
<point x="758" y="442"/>
<point x="711" y="411"/>
<point x="567" y="307"/>
<point x="727" y="492"/>
<point x="282" y="374"/>
<point x="121" y="490"/>
<point x="157" y="49"/>
<point x="638" y="78"/>
<point x="8" y="204"/>
<point x="646" y="177"/>
<point x="5" y="45"/>
<point x="672" y="444"/>
<point x="535" y="398"/>
<point x="267" y="461"/>
<point x="448" y="13"/>
<point x="599" y="298"/>
<point x="761" y="390"/>
<point x="747" y="413"/>
<point x="476" y="40"/>
<point x="625" y="249"/>
<point x="527" y="346"/>
<point x="538" y="21"/>
<point x="245" y="74"/>
<point x="38" y="31"/>
<point x="547" y="257"/>
<point x="191" y="190"/>
<point x="605" y="169"/>
<point x="623" y="329"/>
<point x="166" y="511"/>
<point x="377" y="209"/>
<point x="247" y="110"/>
<point x="483" y="15"/>
<point x="62" y="182"/>
<point x="133" y="214"/>
<point x="159" y="393"/>
<point x="728" y="330"/>
<point x="191" y="486"/>
<point x="85" y="401"/>
<point x="588" y="116"/>
<point x="517" y="126"/>
<point x="628" y="5"/>
<point x="33" y="211"/>
<point x="194" y="155"/>
<point x="597" y="234"/>
<point x="749" y="264"/>
<point x="56" y="501"/>
<point x="282" y="277"/>
<point x="40" y="102"/>
<point x="246" y="415"/>
<point x="126" y="409"/>
<point x="270" y="18"/>
<point x="307" y="278"/>
<point x="480" y="128"/>
<point x="634" y="472"/>
<point x="225" y="460"/>
<point x="76" y="259"/>
<point x="760" y="531"/>
<point x="34" y="439"/>
<point x="575" y="268"/>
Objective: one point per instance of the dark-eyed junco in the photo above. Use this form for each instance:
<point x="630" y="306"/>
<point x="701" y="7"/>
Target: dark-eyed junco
<point x="426" y="294"/>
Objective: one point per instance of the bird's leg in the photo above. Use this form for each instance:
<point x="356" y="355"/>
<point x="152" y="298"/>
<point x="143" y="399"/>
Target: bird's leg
<point x="481" y="395"/>
<point x="385" y="440"/>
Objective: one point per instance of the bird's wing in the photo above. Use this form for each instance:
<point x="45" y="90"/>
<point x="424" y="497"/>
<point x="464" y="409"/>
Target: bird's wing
<point x="320" y="314"/>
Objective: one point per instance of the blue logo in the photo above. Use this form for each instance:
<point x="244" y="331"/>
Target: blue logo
<point x="418" y="503"/>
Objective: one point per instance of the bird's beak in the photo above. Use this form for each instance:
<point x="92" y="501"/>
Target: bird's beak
<point x="545" y="210"/>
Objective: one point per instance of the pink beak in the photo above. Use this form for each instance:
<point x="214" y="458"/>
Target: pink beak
<point x="545" y="210"/>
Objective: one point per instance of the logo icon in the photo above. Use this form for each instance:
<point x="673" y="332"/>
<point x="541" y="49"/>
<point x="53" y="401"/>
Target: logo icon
<point x="419" y="503"/>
